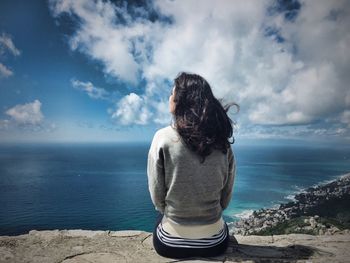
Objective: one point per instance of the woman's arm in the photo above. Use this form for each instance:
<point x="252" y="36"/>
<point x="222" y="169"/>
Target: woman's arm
<point x="226" y="193"/>
<point x="156" y="175"/>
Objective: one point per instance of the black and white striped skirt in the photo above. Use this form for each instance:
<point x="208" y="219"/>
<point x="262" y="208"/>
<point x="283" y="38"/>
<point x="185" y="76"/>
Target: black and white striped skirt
<point x="171" y="246"/>
<point x="174" y="241"/>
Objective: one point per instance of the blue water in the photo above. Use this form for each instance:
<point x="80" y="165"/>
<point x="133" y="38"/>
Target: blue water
<point x="104" y="186"/>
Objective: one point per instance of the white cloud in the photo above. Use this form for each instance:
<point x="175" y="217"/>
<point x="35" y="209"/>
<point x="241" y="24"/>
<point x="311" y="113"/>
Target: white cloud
<point x="318" y="88"/>
<point x="345" y="118"/>
<point x="4" y="124"/>
<point x="300" y="81"/>
<point x="90" y="89"/>
<point x="29" y="113"/>
<point x="26" y="118"/>
<point x="4" y="71"/>
<point x="6" y="45"/>
<point x="100" y="38"/>
<point x="162" y="115"/>
<point x="131" y="109"/>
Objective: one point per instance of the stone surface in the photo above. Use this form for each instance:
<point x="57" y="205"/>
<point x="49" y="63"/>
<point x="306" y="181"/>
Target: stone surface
<point x="82" y="246"/>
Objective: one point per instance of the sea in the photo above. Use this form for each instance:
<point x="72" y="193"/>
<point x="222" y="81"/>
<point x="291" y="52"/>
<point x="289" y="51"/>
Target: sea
<point x="103" y="186"/>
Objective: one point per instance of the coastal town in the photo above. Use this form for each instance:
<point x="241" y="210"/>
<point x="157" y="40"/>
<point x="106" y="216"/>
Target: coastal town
<point x="323" y="209"/>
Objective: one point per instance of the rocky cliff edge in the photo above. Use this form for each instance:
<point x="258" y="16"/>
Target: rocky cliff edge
<point x="73" y="246"/>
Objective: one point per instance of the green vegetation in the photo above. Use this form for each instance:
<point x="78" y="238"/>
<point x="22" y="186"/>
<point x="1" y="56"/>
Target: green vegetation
<point x="286" y="227"/>
<point x="299" y="226"/>
<point x="328" y="222"/>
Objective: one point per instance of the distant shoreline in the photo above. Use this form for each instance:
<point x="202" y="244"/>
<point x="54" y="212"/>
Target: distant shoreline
<point x="309" y="213"/>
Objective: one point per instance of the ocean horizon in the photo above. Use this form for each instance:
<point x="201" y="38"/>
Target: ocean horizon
<point x="103" y="186"/>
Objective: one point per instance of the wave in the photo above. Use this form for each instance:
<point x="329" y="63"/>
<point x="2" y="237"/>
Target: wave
<point x="244" y="214"/>
<point x="300" y="189"/>
<point x="335" y="178"/>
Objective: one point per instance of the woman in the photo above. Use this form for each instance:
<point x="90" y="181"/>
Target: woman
<point x="191" y="170"/>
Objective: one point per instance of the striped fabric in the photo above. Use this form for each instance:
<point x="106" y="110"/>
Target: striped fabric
<point x="173" y="241"/>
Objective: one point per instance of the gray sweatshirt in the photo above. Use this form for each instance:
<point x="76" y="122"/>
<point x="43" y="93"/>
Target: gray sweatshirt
<point x="186" y="191"/>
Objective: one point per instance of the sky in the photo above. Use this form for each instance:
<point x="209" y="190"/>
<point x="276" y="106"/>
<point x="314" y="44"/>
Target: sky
<point x="102" y="71"/>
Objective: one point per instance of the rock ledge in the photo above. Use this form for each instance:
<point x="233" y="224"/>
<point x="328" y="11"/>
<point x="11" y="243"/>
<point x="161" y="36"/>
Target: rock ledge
<point x="73" y="246"/>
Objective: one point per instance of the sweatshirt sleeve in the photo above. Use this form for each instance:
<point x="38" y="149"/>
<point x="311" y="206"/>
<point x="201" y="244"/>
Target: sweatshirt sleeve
<point x="156" y="174"/>
<point x="226" y="193"/>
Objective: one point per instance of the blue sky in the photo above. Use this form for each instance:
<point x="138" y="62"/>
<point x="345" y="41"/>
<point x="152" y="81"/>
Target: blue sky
<point x="85" y="71"/>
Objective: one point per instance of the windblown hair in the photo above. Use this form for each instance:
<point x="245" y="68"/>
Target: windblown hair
<point x="200" y="119"/>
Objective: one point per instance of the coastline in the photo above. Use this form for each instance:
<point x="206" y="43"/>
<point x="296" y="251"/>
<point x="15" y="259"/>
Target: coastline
<point x="318" y="210"/>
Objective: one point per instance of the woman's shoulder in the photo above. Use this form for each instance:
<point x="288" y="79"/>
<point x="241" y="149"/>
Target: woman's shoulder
<point x="166" y="135"/>
<point x="166" y="132"/>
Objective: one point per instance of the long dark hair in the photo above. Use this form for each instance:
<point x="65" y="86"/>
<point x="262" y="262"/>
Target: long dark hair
<point x="199" y="118"/>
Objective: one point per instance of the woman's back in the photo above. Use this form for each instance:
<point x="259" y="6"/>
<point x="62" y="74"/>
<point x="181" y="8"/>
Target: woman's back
<point x="193" y="193"/>
<point x="191" y="170"/>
